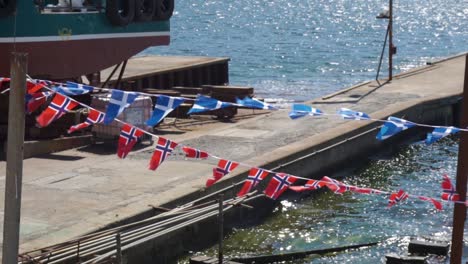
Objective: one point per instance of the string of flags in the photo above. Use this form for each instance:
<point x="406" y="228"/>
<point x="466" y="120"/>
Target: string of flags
<point x="279" y="183"/>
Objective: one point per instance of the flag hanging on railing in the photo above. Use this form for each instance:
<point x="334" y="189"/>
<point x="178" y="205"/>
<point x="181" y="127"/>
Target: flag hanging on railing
<point x="164" y="105"/>
<point x="94" y="117"/>
<point x="118" y="102"/>
<point x="204" y="103"/>
<point x="440" y="132"/>
<point x="195" y="153"/>
<point x="301" y="110"/>
<point x="397" y="197"/>
<point x="310" y="185"/>
<point x="392" y="126"/>
<point x="253" y="179"/>
<point x="278" y="184"/>
<point x="224" y="167"/>
<point x="164" y="148"/>
<point x="352" y="115"/>
<point x="448" y="190"/>
<point x="56" y="109"/>
<point x="128" y="138"/>
<point x="254" y="103"/>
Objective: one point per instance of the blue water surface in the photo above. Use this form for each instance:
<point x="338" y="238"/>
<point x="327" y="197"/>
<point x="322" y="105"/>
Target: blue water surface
<point x="303" y="49"/>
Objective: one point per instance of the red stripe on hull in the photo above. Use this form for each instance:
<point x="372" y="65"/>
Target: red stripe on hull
<point x="72" y="58"/>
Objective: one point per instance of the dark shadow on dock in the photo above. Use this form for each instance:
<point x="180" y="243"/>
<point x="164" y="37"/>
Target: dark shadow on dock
<point x="55" y="156"/>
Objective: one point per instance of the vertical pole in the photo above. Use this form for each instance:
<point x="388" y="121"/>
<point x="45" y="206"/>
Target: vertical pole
<point x="390" y="40"/>
<point x="459" y="213"/>
<point x="221" y="229"/>
<point x="118" y="249"/>
<point x="14" y="168"/>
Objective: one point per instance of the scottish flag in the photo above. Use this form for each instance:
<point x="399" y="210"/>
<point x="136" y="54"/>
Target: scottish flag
<point x="73" y="89"/>
<point x="392" y="126"/>
<point x="440" y="132"/>
<point x="353" y="115"/>
<point x="118" y="102"/>
<point x="204" y="103"/>
<point x="301" y="110"/>
<point x="254" y="103"/>
<point x="164" y="105"/>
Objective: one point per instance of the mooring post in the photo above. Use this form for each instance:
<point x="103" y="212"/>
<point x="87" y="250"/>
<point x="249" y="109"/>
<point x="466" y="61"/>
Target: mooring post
<point x="459" y="213"/>
<point x="118" y="249"/>
<point x="221" y="228"/>
<point x="14" y="167"/>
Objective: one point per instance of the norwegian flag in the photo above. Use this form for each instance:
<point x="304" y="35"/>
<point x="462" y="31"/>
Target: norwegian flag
<point x="365" y="190"/>
<point x="57" y="108"/>
<point x="397" y="197"/>
<point x="195" y="153"/>
<point x="437" y="204"/>
<point x="224" y="167"/>
<point x="337" y="186"/>
<point x="448" y="191"/>
<point x="3" y="82"/>
<point x="255" y="176"/>
<point x="128" y="138"/>
<point x="310" y="185"/>
<point x="162" y="151"/>
<point x="94" y="117"/>
<point x="35" y="100"/>
<point x="278" y="184"/>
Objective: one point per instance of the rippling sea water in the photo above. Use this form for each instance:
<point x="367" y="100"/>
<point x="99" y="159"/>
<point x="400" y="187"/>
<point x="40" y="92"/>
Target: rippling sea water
<point x="330" y="220"/>
<point x="302" y="49"/>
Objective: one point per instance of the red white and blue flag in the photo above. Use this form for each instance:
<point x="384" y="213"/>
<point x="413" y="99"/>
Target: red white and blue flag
<point x="397" y="197"/>
<point x="35" y="100"/>
<point x="309" y="186"/>
<point x="437" y="204"/>
<point x="336" y="186"/>
<point x="278" y="184"/>
<point x="224" y="167"/>
<point x="94" y="117"/>
<point x="364" y="190"/>
<point x="57" y="108"/>
<point x="254" y="178"/>
<point x="195" y="153"/>
<point x="128" y="138"/>
<point x="448" y="190"/>
<point x="163" y="149"/>
<point x="2" y="82"/>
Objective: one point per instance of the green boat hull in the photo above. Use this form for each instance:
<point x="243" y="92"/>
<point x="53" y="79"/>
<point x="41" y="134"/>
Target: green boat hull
<point x="65" y="44"/>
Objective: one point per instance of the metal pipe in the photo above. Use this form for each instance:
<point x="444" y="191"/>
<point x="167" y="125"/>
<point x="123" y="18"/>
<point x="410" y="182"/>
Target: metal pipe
<point x="459" y="213"/>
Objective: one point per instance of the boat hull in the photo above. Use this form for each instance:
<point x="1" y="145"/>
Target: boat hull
<point x="75" y="57"/>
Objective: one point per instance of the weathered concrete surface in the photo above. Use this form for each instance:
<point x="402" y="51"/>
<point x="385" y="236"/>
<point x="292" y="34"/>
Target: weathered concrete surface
<point x="75" y="191"/>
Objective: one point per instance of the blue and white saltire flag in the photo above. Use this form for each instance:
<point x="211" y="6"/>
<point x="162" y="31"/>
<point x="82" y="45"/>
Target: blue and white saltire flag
<point x="164" y="105"/>
<point x="353" y="115"/>
<point x="392" y="126"/>
<point x="118" y="102"/>
<point x="73" y="89"/>
<point x="254" y="103"/>
<point x="440" y="132"/>
<point x="204" y="103"/>
<point x="301" y="110"/>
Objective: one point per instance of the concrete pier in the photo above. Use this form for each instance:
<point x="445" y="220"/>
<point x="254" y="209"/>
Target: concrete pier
<point x="73" y="192"/>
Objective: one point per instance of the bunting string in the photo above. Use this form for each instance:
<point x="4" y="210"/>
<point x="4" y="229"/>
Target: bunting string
<point x="280" y="181"/>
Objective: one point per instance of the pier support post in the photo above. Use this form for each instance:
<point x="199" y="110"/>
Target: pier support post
<point x="390" y="40"/>
<point x="221" y="228"/>
<point x="459" y="214"/>
<point x="14" y="167"/>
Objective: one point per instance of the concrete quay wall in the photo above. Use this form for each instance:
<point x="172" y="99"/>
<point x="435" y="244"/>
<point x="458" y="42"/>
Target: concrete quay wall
<point x="346" y="146"/>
